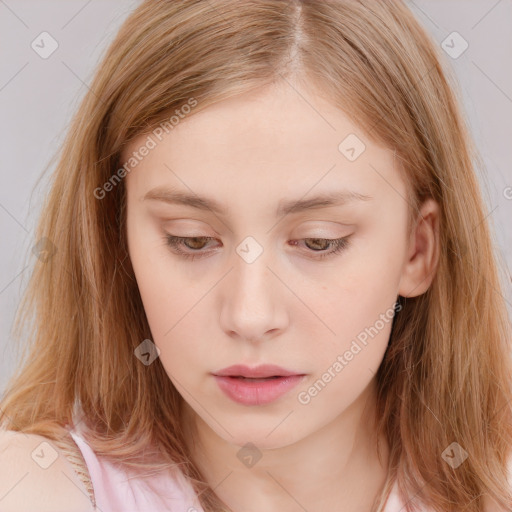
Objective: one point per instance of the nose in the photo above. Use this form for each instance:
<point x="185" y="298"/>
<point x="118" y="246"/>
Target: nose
<point x="253" y="301"/>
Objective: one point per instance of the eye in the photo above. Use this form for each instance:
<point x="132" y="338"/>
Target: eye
<point x="175" y="242"/>
<point x="196" y="243"/>
<point x="337" y="244"/>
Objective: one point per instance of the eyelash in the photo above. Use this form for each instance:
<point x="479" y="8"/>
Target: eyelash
<point x="173" y="242"/>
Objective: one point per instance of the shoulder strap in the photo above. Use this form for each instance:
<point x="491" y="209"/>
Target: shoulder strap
<point x="73" y="454"/>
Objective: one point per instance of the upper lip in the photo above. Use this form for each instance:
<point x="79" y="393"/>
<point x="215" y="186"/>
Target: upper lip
<point x="260" y="371"/>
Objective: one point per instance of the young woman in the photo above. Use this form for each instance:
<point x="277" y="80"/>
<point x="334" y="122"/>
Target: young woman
<point x="268" y="280"/>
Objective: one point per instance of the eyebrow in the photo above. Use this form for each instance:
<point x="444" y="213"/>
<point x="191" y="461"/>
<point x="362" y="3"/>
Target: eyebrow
<point x="325" y="200"/>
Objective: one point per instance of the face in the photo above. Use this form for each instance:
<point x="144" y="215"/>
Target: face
<point x="247" y="281"/>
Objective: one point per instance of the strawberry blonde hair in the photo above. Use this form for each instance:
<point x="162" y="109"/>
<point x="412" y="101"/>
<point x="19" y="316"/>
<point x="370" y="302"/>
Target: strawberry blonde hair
<point x="446" y="375"/>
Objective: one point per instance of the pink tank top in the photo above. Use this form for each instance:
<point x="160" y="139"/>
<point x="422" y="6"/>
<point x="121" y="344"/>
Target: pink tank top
<point x="116" y="490"/>
<point x="121" y="490"/>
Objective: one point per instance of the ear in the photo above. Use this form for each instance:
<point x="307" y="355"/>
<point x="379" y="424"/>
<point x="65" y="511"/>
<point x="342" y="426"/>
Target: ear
<point x="422" y="252"/>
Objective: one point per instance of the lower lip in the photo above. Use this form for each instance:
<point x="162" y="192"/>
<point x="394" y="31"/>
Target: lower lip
<point x="248" y="392"/>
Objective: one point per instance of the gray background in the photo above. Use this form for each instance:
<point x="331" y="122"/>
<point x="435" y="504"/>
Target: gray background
<point x="38" y="97"/>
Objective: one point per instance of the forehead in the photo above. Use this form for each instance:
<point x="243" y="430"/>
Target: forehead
<point x="278" y="140"/>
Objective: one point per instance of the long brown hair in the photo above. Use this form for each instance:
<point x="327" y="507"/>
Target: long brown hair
<point x="446" y="376"/>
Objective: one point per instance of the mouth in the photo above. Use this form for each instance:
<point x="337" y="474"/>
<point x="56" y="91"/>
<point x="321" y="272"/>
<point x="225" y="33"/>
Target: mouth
<point x="256" y="390"/>
<point x="255" y="379"/>
<point x="261" y="372"/>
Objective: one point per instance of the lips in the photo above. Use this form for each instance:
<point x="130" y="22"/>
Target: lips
<point x="258" y="385"/>
<point x="263" y="371"/>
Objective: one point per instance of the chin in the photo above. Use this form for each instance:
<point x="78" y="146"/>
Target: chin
<point x="264" y="433"/>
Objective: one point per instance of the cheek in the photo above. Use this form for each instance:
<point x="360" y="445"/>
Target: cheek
<point x="170" y="300"/>
<point x="359" y="291"/>
<point x="357" y="310"/>
<point x="360" y="325"/>
<point x="168" y="311"/>
<point x="346" y="360"/>
<point x="156" y="277"/>
<point x="166" y="298"/>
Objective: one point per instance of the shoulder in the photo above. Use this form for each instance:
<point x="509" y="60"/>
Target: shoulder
<point x="35" y="475"/>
